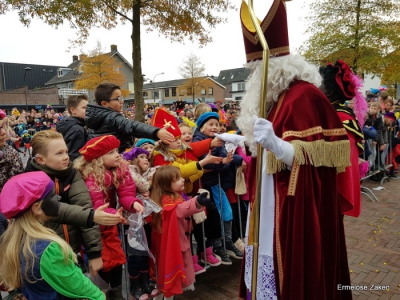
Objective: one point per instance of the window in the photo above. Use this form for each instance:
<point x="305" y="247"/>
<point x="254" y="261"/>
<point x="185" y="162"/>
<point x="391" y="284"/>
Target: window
<point x="182" y="92"/>
<point x="238" y="98"/>
<point x="173" y="92"/>
<point x="145" y="94"/>
<point x="210" y="91"/>
<point x="166" y="92"/>
<point x="156" y="95"/>
<point x="241" y="86"/>
<point x="131" y="87"/>
<point x="70" y="85"/>
<point x="60" y="73"/>
<point x="189" y="90"/>
<point x="203" y="91"/>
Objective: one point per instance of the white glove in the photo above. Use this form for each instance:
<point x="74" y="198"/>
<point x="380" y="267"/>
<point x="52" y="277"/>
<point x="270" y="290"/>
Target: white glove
<point x="230" y="138"/>
<point x="264" y="135"/>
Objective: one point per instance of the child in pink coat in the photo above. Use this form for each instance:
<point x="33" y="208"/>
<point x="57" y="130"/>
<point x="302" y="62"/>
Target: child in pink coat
<point x="171" y="231"/>
<point x="107" y="176"/>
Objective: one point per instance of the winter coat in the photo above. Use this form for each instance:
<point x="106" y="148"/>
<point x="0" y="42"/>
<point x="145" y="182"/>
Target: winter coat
<point x="211" y="178"/>
<point x="75" y="210"/>
<point x="74" y="133"/>
<point x="103" y="120"/>
<point x="3" y="224"/>
<point x="126" y="191"/>
<point x="10" y="164"/>
<point x="377" y="122"/>
<point x="228" y="178"/>
<point x="186" y="161"/>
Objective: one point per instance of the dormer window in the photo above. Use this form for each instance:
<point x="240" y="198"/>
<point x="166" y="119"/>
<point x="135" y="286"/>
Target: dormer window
<point x="63" y="71"/>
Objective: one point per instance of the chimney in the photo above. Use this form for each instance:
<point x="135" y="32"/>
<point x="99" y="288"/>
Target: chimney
<point x="114" y="48"/>
<point x="82" y="57"/>
<point x="74" y="58"/>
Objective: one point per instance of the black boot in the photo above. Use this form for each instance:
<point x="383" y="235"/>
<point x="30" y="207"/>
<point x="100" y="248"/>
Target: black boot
<point x="116" y="293"/>
<point x="135" y="289"/>
<point x="232" y="251"/>
<point x="219" y="251"/>
<point x="148" y="288"/>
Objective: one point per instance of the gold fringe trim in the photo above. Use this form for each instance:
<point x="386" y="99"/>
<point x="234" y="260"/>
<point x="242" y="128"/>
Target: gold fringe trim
<point x="317" y="153"/>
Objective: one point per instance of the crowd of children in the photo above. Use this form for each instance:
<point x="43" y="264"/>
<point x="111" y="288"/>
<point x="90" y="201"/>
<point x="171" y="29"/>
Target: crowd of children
<point x="381" y="134"/>
<point x="95" y="169"/>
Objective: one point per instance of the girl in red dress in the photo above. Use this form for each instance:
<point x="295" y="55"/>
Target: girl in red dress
<point x="171" y="231"/>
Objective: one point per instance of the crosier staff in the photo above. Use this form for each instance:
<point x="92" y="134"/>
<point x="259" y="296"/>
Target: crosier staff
<point x="260" y="150"/>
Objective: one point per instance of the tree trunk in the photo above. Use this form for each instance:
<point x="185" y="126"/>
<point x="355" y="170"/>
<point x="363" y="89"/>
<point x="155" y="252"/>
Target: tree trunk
<point x="193" y="93"/>
<point x="137" y="63"/>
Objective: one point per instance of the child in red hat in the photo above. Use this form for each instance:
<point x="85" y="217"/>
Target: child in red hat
<point x="107" y="176"/>
<point x="179" y="154"/>
<point x="35" y="261"/>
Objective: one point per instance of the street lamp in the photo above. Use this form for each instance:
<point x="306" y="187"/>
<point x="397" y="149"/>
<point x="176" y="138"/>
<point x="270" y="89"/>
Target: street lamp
<point x="27" y="69"/>
<point x="152" y="83"/>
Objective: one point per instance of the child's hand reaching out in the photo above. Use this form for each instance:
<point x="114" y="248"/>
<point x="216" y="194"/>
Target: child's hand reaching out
<point x="138" y="207"/>
<point x="210" y="159"/>
<point x="104" y="218"/>
<point x="228" y="158"/>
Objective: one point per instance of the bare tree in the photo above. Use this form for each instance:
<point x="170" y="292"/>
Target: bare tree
<point x="192" y="70"/>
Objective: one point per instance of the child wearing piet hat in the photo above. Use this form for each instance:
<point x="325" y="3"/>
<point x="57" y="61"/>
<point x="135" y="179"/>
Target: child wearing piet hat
<point x="181" y="155"/>
<point x="31" y="251"/>
<point x="107" y="176"/>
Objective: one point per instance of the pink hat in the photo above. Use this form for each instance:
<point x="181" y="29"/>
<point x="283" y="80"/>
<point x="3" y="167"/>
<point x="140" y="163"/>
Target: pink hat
<point x="23" y="190"/>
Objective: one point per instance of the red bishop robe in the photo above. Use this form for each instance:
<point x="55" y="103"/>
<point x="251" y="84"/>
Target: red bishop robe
<point x="310" y="257"/>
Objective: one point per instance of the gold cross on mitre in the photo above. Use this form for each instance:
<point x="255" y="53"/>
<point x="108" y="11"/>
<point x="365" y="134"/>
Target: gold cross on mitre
<point x="168" y="124"/>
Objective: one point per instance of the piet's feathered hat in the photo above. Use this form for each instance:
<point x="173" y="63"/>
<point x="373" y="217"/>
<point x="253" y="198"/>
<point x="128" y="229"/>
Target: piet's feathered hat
<point x="163" y="119"/>
<point x="274" y="27"/>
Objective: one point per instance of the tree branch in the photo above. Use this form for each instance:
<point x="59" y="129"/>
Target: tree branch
<point x="116" y="11"/>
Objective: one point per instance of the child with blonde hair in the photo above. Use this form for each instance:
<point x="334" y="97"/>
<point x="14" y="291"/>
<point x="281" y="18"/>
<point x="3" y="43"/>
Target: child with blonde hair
<point x="200" y="109"/>
<point x="34" y="260"/>
<point x="170" y="243"/>
<point x="107" y="175"/>
<point x="76" y="222"/>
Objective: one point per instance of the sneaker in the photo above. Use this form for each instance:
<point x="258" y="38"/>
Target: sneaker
<point x="197" y="268"/>
<point x="239" y="244"/>
<point x="224" y="258"/>
<point x="232" y="251"/>
<point x="212" y="259"/>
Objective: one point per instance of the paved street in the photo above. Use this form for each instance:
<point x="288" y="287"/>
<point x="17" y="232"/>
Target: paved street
<point x="373" y="245"/>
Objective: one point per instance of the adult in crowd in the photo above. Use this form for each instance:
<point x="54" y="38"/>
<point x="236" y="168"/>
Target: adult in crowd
<point x="10" y="160"/>
<point x="179" y="105"/>
<point x="302" y="252"/>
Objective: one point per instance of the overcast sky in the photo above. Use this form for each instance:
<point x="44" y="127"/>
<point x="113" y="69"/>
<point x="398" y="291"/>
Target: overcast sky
<point x="44" y="45"/>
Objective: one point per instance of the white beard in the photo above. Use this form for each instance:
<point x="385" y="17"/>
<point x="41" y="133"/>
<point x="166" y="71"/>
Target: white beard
<point x="293" y="67"/>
